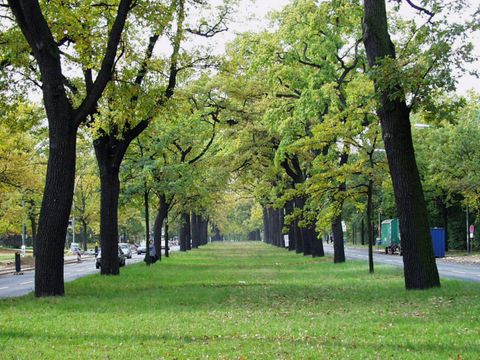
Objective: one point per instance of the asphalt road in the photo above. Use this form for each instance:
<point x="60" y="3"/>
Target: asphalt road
<point x="18" y="285"/>
<point x="467" y="272"/>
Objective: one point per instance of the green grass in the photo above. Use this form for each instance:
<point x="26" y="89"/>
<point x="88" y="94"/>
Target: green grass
<point x="245" y="301"/>
<point x="7" y="257"/>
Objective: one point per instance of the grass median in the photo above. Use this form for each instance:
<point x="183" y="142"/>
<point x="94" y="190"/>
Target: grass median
<point x="245" y="301"/>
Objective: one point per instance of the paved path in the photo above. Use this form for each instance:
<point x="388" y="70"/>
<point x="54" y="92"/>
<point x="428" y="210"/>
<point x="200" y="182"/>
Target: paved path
<point x="466" y="272"/>
<point x="18" y="285"/>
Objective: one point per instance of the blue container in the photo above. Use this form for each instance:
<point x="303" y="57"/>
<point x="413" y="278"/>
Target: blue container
<point x="438" y="242"/>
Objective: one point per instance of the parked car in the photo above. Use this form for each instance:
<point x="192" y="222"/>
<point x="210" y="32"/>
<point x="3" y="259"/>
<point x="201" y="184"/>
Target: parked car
<point x="127" y="250"/>
<point x="121" y="259"/>
<point x="141" y="249"/>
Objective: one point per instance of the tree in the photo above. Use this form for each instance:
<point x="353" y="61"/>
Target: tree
<point x="65" y="113"/>
<point x="419" y="263"/>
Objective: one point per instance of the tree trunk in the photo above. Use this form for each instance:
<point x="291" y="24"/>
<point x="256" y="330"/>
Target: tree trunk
<point x="266" y="233"/>
<point x="280" y="221"/>
<point x="362" y="235"/>
<point x="55" y="209"/>
<point x="299" y="242"/>
<point x="306" y="239"/>
<point x="33" y="224"/>
<point x="167" y="249"/>
<point x="147" y="224"/>
<point x="195" y="227"/>
<point x="419" y="263"/>
<point x="109" y="153"/>
<point x="317" y="244"/>
<point x="158" y="225"/>
<point x="204" y="232"/>
<point x="84" y="235"/>
<point x="184" y="231"/>
<point x="370" y="226"/>
<point x="338" y="246"/>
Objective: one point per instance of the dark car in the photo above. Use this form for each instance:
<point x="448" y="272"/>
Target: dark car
<point x="121" y="258"/>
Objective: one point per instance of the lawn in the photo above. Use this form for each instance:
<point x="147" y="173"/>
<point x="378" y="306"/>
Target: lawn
<point x="245" y="301"/>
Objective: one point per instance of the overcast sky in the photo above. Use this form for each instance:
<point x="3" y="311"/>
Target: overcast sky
<point x="251" y="17"/>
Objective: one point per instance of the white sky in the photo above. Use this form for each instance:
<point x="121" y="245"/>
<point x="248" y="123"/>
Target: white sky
<point x="251" y="17"/>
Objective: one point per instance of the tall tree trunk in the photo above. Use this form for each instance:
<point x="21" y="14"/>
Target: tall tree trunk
<point x="33" y="224"/>
<point x="317" y="244"/>
<point x="204" y="232"/>
<point x="55" y="209"/>
<point x="167" y="249"/>
<point x="84" y="234"/>
<point x="419" y="263"/>
<point x="109" y="152"/>
<point x="299" y="241"/>
<point x="158" y="225"/>
<point x="280" y="221"/>
<point x="306" y="239"/>
<point x="110" y="190"/>
<point x="147" y="224"/>
<point x="266" y="229"/>
<point x="184" y="231"/>
<point x="195" y="228"/>
<point x="337" y="231"/>
<point x="338" y="246"/>
<point x="370" y="225"/>
<point x="362" y="235"/>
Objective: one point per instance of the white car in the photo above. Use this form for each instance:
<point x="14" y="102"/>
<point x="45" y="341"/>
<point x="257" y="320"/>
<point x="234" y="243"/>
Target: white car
<point x="126" y="249"/>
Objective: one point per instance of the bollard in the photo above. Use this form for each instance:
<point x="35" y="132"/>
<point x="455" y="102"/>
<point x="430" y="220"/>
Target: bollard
<point x="17" y="263"/>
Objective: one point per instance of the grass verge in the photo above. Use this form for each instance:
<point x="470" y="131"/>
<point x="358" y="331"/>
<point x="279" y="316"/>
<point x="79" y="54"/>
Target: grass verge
<point x="245" y="301"/>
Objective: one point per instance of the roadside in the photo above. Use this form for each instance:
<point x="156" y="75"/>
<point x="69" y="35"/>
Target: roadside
<point x="453" y="256"/>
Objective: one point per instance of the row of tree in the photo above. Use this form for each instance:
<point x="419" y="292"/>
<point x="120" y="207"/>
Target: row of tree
<point x="290" y="128"/>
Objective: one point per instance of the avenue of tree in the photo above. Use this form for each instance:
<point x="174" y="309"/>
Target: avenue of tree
<point x="143" y="133"/>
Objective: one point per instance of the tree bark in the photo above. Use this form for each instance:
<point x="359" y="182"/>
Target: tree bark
<point x="266" y="228"/>
<point x="147" y="224"/>
<point x="84" y="234"/>
<point x="162" y="213"/>
<point x="204" y="232"/>
<point x="167" y="249"/>
<point x="419" y="263"/>
<point x="370" y="226"/>
<point x="306" y="239"/>
<point x="109" y="152"/>
<point x="362" y="235"/>
<point x="184" y="231"/>
<point x="55" y="210"/>
<point x="33" y="224"/>
<point x="338" y="245"/>
<point x="196" y="230"/>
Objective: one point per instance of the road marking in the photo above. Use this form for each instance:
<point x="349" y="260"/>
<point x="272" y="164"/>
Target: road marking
<point x="26" y="282"/>
<point x="3" y="288"/>
<point x="458" y="272"/>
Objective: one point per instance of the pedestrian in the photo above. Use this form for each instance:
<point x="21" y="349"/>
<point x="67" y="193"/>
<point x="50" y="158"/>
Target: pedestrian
<point x="96" y="249"/>
<point x="153" y="253"/>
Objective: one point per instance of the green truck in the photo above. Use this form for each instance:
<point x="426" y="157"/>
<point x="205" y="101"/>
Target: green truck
<point x="390" y="235"/>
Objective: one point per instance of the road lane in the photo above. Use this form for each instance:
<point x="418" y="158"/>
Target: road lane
<point x="12" y="285"/>
<point x="466" y="272"/>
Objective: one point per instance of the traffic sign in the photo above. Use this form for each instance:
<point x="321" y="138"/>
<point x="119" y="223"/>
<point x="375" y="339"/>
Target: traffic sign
<point x="471" y="229"/>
